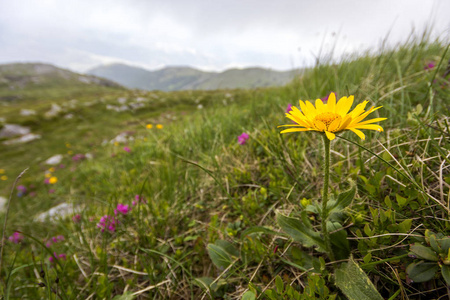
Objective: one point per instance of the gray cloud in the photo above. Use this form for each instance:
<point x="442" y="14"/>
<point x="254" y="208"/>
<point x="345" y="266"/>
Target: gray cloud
<point x="207" y="34"/>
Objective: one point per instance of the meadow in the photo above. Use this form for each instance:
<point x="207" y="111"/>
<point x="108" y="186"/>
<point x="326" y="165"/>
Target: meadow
<point x="179" y="208"/>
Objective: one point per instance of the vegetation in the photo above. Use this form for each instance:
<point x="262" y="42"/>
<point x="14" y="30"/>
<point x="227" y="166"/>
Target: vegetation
<point x="184" y="211"/>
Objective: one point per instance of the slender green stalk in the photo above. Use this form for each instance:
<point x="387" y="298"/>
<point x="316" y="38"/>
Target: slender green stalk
<point x="326" y="183"/>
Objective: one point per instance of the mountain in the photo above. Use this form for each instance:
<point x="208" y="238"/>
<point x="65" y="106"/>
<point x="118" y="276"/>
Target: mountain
<point x="32" y="80"/>
<point x="186" y="78"/>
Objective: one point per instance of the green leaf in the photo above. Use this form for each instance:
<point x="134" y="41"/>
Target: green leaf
<point x="354" y="283"/>
<point x="219" y="256"/>
<point x="228" y="247"/>
<point x="402" y="201"/>
<point x="279" y="284"/>
<point x="423" y="252"/>
<point x="248" y="295"/>
<point x="258" y="229"/>
<point x="422" y="271"/>
<point x="126" y="296"/>
<point x="434" y="244"/>
<point x="405" y="226"/>
<point x="345" y="199"/>
<point x="445" y="244"/>
<point x="341" y="247"/>
<point x="204" y="282"/>
<point x="298" y="231"/>
<point x="446" y="273"/>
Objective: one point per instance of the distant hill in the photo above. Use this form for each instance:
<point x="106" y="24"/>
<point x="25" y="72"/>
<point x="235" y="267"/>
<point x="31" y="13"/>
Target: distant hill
<point x="186" y="78"/>
<point x="32" y="80"/>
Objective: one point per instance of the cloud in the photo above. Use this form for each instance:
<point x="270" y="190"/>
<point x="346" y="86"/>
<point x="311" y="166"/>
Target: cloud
<point x="82" y="34"/>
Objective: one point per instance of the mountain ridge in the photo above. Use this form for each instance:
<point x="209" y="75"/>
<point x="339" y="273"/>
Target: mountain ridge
<point x="174" y="78"/>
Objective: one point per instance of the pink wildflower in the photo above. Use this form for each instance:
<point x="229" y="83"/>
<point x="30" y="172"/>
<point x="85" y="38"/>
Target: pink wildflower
<point x="51" y="191"/>
<point x="243" y="138"/>
<point x="138" y="199"/>
<point x="429" y="66"/>
<point x="122" y="208"/>
<point x="76" y="218"/>
<point x="127" y="149"/>
<point x="289" y="108"/>
<point x="16" y="238"/>
<point x="47" y="181"/>
<point x="55" y="256"/>
<point x="107" y="222"/>
<point x="21" y="188"/>
<point x="78" y="157"/>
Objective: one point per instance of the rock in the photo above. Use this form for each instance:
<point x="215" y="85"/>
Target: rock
<point x="23" y="139"/>
<point x="27" y="112"/>
<point x="123" y="138"/>
<point x="3" y="202"/>
<point x="122" y="100"/>
<point x="54" y="160"/>
<point x="60" y="211"/>
<point x="54" y="111"/>
<point x="12" y="130"/>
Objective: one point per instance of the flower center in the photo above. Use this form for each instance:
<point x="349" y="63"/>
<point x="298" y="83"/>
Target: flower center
<point x="327" y="118"/>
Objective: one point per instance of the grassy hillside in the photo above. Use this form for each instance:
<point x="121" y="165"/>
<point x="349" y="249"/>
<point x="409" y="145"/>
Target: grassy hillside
<point x="185" y="78"/>
<point x="203" y="224"/>
<point x="36" y="81"/>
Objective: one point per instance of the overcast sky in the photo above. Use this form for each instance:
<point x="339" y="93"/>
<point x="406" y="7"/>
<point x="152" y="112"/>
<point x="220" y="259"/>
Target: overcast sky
<point x="207" y="34"/>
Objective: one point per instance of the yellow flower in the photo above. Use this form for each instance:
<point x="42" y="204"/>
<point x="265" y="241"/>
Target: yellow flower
<point x="70" y="152"/>
<point x="4" y="177"/>
<point x="53" y="180"/>
<point x="2" y="171"/>
<point x="52" y="169"/>
<point x="68" y="145"/>
<point x="48" y="175"/>
<point x="149" y="126"/>
<point x="332" y="117"/>
<point x="159" y="126"/>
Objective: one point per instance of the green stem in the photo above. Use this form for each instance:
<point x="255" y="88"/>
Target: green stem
<point x="326" y="183"/>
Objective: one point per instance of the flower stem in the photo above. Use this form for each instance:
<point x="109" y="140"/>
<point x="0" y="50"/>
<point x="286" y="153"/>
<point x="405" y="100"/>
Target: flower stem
<point x="326" y="182"/>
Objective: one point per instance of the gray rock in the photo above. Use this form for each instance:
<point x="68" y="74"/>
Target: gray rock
<point x="60" y="211"/>
<point x="54" y="160"/>
<point x="3" y="202"/>
<point x="23" y="139"/>
<point x="12" y="130"/>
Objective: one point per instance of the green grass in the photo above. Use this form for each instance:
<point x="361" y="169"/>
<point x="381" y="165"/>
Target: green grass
<point x="206" y="194"/>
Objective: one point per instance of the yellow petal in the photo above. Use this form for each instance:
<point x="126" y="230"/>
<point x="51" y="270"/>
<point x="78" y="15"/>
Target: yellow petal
<point x="303" y="108"/>
<point x="334" y="125"/>
<point x="370" y="127"/>
<point x="359" y="109"/>
<point x="345" y="122"/>
<point x="294" y="130"/>
<point x="358" y="133"/>
<point x="330" y="136"/>
<point x="344" y="105"/>
<point x="320" y="107"/>
<point x="297" y="120"/>
<point x="289" y="125"/>
<point x="331" y="103"/>
<point x="320" y="125"/>
<point x="361" y="117"/>
<point x="372" y="121"/>
<point x="311" y="109"/>
<point x="296" y="111"/>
